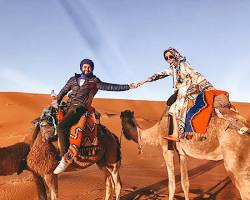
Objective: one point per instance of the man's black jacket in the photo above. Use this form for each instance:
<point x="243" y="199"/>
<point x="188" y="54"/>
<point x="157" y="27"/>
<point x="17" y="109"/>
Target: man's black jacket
<point x="83" y="95"/>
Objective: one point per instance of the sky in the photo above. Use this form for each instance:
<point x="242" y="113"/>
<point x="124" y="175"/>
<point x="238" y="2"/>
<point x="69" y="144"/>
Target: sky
<point x="43" y="42"/>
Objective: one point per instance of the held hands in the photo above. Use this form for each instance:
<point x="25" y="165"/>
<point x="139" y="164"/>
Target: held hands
<point x="136" y="85"/>
<point x="133" y="86"/>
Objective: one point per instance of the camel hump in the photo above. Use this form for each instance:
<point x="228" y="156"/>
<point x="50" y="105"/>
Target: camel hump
<point x="104" y="131"/>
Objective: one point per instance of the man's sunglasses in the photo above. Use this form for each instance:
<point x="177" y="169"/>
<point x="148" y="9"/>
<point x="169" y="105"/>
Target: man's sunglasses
<point x="169" y="57"/>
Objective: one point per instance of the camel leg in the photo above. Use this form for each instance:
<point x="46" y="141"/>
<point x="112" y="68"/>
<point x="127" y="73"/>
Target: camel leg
<point x="184" y="175"/>
<point x="42" y="195"/>
<point x="240" y="178"/>
<point x="51" y="181"/>
<point x="114" y="171"/>
<point x="169" y="159"/>
<point x="109" y="187"/>
<point x="237" y="162"/>
<point x="243" y="187"/>
<point x="108" y="182"/>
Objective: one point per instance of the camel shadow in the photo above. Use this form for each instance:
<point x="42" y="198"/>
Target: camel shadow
<point x="195" y="194"/>
<point x="152" y="192"/>
<point x="212" y="192"/>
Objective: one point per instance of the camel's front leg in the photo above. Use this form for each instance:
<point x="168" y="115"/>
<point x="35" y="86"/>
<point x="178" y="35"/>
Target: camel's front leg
<point x="42" y="195"/>
<point x="239" y="172"/>
<point x="113" y="180"/>
<point x="108" y="183"/>
<point x="169" y="159"/>
<point x="51" y="181"/>
<point x="114" y="171"/>
<point x="184" y="175"/>
<point x="108" y="190"/>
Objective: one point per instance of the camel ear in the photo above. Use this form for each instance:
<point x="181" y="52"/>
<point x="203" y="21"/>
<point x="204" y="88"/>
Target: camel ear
<point x="34" y="121"/>
<point x="133" y="113"/>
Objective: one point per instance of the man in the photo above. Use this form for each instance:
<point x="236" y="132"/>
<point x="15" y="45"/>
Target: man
<point x="186" y="82"/>
<point x="83" y="88"/>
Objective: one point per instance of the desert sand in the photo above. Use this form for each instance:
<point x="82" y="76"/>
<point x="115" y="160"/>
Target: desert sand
<point x="143" y="176"/>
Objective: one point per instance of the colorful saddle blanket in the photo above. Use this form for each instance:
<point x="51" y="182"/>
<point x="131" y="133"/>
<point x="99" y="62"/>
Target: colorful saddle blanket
<point x="83" y="135"/>
<point x="198" y="114"/>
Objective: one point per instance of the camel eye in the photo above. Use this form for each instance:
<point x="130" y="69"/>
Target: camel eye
<point x="43" y="125"/>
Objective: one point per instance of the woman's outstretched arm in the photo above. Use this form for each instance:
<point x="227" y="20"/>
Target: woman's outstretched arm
<point x="154" y="77"/>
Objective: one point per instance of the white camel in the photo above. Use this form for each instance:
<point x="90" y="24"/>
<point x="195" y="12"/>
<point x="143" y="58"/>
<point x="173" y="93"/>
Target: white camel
<point x="223" y="143"/>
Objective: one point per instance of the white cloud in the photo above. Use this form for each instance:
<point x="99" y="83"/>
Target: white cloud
<point x="17" y="81"/>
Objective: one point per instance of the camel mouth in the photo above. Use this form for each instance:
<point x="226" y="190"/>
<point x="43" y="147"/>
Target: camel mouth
<point x="127" y="136"/>
<point x="248" y="132"/>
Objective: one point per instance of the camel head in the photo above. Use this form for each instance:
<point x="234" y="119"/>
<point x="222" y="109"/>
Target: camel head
<point x="129" y="126"/>
<point x="238" y="123"/>
<point x="47" y="124"/>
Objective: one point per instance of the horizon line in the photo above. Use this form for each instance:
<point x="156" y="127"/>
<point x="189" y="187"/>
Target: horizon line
<point x="115" y="98"/>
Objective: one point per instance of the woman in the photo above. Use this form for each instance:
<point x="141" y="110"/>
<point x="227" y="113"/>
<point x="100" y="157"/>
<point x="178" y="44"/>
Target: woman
<point x="187" y="83"/>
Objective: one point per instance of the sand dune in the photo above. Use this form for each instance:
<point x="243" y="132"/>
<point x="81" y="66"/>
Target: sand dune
<point x="143" y="176"/>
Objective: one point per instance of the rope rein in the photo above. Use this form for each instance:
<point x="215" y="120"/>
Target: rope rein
<point x="139" y="140"/>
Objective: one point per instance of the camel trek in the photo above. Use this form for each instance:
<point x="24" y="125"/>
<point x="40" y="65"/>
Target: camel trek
<point x="223" y="143"/>
<point x="42" y="157"/>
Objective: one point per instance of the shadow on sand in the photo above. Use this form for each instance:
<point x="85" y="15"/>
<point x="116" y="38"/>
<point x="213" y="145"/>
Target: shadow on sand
<point x="151" y="192"/>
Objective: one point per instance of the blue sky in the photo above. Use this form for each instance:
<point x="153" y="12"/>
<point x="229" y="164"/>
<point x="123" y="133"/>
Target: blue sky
<point x="42" y="43"/>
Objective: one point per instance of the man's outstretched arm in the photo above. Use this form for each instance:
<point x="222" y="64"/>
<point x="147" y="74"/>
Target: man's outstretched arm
<point x="112" y="87"/>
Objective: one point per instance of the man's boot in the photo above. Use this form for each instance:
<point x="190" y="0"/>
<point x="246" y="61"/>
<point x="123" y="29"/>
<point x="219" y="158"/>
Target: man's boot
<point x="62" y="166"/>
<point x="66" y="160"/>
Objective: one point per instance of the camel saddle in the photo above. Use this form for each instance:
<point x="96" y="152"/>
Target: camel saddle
<point x="84" y="138"/>
<point x="200" y="110"/>
<point x="84" y="134"/>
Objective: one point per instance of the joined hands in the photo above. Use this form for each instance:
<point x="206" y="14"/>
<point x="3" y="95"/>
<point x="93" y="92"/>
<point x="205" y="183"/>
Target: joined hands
<point x="136" y="85"/>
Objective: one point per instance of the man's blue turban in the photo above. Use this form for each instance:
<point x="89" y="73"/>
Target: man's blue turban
<point x="87" y="61"/>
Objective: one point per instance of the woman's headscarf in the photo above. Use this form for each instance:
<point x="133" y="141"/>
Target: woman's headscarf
<point x="175" y="53"/>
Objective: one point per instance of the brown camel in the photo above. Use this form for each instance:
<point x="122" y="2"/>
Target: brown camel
<point x="13" y="158"/>
<point x="223" y="142"/>
<point x="43" y="158"/>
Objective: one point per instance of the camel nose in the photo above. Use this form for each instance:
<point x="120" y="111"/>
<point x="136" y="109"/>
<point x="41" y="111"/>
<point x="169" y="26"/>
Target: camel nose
<point x="244" y="131"/>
